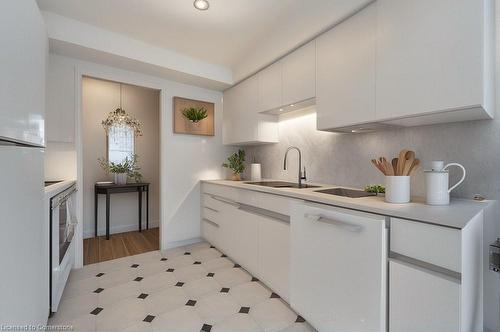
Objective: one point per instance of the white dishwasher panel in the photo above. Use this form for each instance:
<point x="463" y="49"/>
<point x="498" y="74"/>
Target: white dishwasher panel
<point x="338" y="268"/>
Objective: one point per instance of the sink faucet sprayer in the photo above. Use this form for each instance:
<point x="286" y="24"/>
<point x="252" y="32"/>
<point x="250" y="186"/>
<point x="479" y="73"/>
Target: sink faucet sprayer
<point x="302" y="175"/>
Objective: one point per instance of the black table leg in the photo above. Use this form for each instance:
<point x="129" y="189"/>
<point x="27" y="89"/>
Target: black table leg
<point x="96" y="199"/>
<point x="147" y="207"/>
<point x="140" y="209"/>
<point x="107" y="216"/>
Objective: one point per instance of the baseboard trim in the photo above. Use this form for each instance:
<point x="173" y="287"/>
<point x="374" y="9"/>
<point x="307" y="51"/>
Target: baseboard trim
<point x="175" y="244"/>
<point x="118" y="229"/>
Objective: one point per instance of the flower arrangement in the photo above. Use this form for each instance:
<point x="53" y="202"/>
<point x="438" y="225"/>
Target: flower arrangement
<point x="195" y="114"/>
<point x="236" y="163"/>
<point x="128" y="166"/>
<point x="120" y="117"/>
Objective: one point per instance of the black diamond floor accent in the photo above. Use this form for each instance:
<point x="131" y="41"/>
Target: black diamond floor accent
<point x="100" y="275"/>
<point x="244" y="310"/>
<point x="224" y="290"/>
<point x="236" y="265"/>
<point x="98" y="290"/>
<point x="206" y="328"/>
<point x="135" y="266"/>
<point x="179" y="284"/>
<point x="223" y="255"/>
<point x="275" y="296"/>
<point x="196" y="263"/>
<point x="300" y="319"/>
<point x="211" y="274"/>
<point x="254" y="279"/>
<point x="148" y="319"/>
<point x="138" y="279"/>
<point x="212" y="247"/>
<point x="170" y="270"/>
<point x="191" y="303"/>
<point x="96" y="311"/>
<point x="143" y="296"/>
<point x="187" y="253"/>
<point x="163" y="259"/>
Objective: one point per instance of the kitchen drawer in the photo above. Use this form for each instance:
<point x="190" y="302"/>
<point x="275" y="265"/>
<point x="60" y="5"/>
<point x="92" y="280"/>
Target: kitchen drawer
<point x="222" y="191"/>
<point x="211" y="214"/>
<point x="436" y="245"/>
<point x="265" y="201"/>
<point x="210" y="231"/>
<point x="217" y="203"/>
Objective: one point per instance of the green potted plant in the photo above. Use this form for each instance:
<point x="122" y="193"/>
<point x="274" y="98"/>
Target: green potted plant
<point x="124" y="170"/>
<point x="195" y="114"/>
<point x="236" y="163"/>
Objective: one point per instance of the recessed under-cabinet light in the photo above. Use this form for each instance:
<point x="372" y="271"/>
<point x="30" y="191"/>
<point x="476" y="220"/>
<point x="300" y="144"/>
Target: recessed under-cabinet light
<point x="201" y="4"/>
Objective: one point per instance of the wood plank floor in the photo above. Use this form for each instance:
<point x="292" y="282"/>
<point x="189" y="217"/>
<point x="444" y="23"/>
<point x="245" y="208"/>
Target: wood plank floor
<point x="98" y="249"/>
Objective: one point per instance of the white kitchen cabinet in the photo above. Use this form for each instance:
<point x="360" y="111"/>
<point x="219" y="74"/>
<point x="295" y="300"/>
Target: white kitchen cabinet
<point x="270" y="86"/>
<point x="60" y="110"/>
<point x="242" y="124"/>
<point x="246" y="239"/>
<point x="299" y="74"/>
<point x="422" y="301"/>
<point x="274" y="252"/>
<point x="338" y="268"/>
<point x="434" y="57"/>
<point x="345" y="72"/>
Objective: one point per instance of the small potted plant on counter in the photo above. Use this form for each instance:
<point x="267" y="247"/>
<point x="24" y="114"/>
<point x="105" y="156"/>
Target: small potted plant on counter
<point x="122" y="171"/>
<point x="236" y="163"/>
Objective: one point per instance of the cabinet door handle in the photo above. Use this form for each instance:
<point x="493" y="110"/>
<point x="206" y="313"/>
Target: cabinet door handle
<point x="265" y="213"/>
<point x="209" y="208"/>
<point x="225" y="200"/>
<point x="211" y="222"/>
<point x="351" y="227"/>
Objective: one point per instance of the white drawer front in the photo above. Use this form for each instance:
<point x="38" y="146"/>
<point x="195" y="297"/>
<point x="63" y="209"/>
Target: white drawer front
<point x="436" y="245"/>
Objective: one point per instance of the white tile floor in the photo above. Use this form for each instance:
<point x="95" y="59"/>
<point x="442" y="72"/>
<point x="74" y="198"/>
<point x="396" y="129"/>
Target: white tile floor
<point x="188" y="289"/>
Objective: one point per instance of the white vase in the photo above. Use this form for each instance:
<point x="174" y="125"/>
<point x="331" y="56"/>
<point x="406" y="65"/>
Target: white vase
<point x="121" y="178"/>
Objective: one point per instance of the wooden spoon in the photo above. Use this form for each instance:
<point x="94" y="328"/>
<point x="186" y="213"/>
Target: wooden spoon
<point x="414" y="166"/>
<point x="401" y="161"/>
<point x="395" y="165"/>
<point x="389" y="171"/>
<point x="408" y="163"/>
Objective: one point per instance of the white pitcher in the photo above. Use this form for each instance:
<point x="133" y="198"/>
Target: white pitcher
<point x="437" y="183"/>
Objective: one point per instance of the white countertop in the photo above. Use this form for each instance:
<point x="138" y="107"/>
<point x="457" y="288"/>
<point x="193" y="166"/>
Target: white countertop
<point x="56" y="188"/>
<point x="455" y="215"/>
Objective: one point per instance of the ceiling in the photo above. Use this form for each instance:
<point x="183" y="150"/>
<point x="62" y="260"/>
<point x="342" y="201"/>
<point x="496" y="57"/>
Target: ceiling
<point x="230" y="33"/>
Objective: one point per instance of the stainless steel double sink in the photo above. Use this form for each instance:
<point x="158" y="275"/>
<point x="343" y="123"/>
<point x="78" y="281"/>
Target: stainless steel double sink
<point x="345" y="192"/>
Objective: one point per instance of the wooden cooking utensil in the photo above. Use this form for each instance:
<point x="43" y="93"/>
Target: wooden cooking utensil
<point x="408" y="163"/>
<point x="414" y="166"/>
<point x="378" y="165"/>
<point x="389" y="171"/>
<point x="395" y="165"/>
<point x="401" y="161"/>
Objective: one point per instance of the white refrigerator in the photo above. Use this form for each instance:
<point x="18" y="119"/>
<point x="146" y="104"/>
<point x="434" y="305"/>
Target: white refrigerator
<point x="23" y="235"/>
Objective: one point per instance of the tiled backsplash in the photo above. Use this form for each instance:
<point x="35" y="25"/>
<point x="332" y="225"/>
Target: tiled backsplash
<point x="344" y="159"/>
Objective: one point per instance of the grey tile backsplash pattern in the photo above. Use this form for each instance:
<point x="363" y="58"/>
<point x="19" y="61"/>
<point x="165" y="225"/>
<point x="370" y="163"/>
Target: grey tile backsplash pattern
<point x="344" y="159"/>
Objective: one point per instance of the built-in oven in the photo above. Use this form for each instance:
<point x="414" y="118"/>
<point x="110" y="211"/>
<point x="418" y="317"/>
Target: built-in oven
<point x="63" y="223"/>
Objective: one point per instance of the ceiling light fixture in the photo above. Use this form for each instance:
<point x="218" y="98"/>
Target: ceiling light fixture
<point x="201" y="4"/>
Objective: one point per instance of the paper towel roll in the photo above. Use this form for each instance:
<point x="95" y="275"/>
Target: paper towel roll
<point x="255" y="172"/>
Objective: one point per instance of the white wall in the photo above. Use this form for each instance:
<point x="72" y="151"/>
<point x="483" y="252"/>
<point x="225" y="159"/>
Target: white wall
<point x="24" y="236"/>
<point x="185" y="159"/>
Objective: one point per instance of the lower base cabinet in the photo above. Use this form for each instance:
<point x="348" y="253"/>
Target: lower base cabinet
<point x="422" y="301"/>
<point x="274" y="247"/>
<point x="246" y="240"/>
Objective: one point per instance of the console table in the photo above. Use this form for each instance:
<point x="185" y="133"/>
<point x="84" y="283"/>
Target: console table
<point x="111" y="188"/>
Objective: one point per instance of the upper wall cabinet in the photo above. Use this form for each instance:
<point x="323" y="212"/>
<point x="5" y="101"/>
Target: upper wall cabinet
<point x="60" y="111"/>
<point x="434" y="56"/>
<point x="345" y="76"/>
<point x="242" y="124"/>
<point x="299" y="74"/>
<point x="407" y="63"/>
<point x="270" y="87"/>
